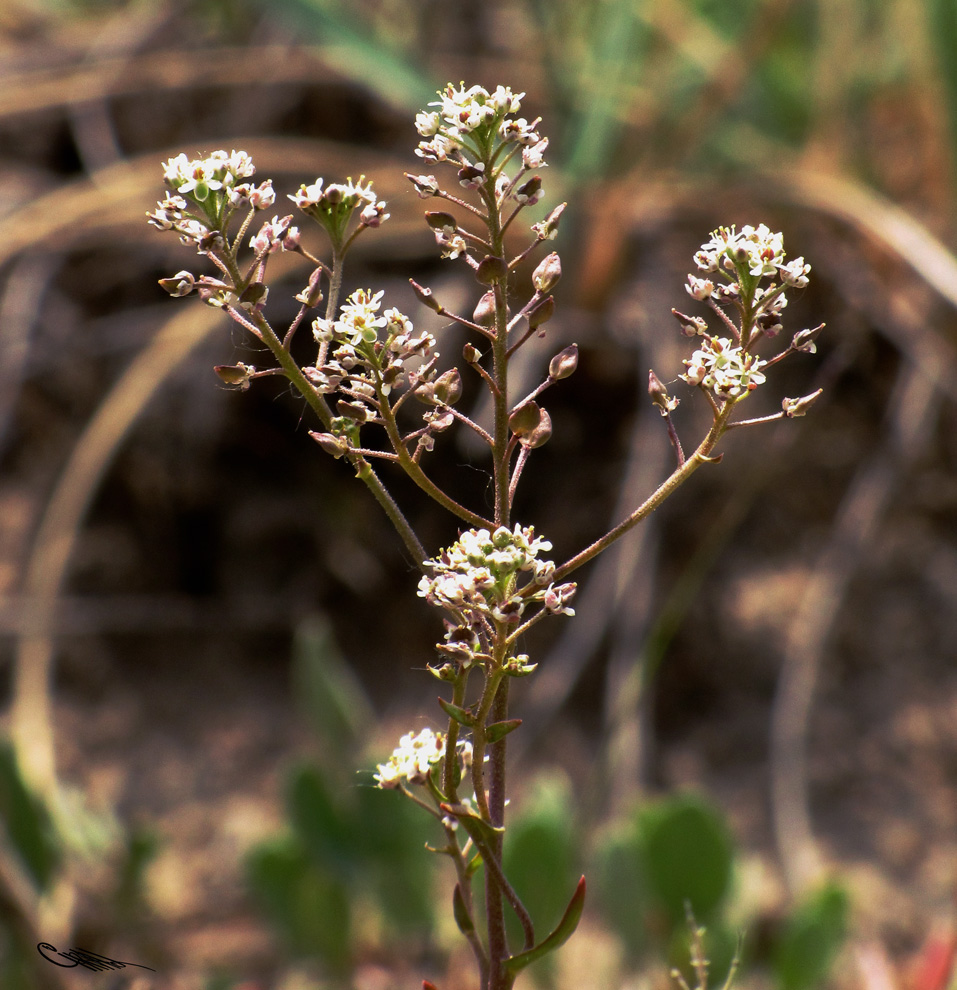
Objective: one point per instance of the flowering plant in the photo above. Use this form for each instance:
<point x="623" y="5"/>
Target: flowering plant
<point x="493" y="583"/>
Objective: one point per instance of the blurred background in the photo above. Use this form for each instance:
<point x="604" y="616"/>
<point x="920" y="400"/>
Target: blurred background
<point x="210" y="634"/>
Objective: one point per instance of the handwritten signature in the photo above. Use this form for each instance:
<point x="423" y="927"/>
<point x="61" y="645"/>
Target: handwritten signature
<point x="88" y="960"/>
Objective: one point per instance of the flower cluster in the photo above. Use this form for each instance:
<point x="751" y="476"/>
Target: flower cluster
<point x="204" y="194"/>
<point x="368" y="353"/>
<point x="412" y="760"/>
<point x="332" y="207"/>
<point x="470" y="128"/>
<point x="757" y="250"/>
<point x="476" y="577"/>
<point x="741" y="260"/>
<point x="728" y="370"/>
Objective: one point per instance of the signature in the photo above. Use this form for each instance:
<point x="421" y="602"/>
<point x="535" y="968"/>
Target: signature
<point x="88" y="960"/>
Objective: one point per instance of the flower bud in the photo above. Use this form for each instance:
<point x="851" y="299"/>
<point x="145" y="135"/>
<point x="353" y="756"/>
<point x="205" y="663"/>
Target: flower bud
<point x="425" y="297"/>
<point x="804" y="340"/>
<point x="180" y="284"/>
<point x="519" y="666"/>
<point x="548" y="273"/>
<point x="563" y="363"/>
<point x="330" y="443"/>
<point x="311" y="295"/>
<point x="425" y="185"/>
<point x="799" y="407"/>
<point x="484" y="314"/>
<point x="253" y="296"/>
<point x="491" y="269"/>
<point x="548" y="228"/>
<point x="471" y="354"/>
<point x="541" y="311"/>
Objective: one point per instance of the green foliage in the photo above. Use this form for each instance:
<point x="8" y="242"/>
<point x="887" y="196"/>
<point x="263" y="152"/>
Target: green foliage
<point x="366" y="56"/>
<point x="328" y="692"/>
<point x="27" y="823"/>
<point x="309" y="908"/>
<point x="650" y="868"/>
<point x="343" y="844"/>
<point x="811" y="939"/>
<point x="344" y="841"/>
<point x="942" y="16"/>
<point x="541" y="856"/>
<point x="687" y="857"/>
<point x="621" y="887"/>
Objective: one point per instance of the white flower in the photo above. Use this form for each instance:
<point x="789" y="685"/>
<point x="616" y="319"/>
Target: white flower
<point x="358" y="318"/>
<point x="728" y="370"/>
<point x="412" y="759"/>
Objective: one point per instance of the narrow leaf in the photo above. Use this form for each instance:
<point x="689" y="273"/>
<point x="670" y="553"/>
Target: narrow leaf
<point x="562" y="933"/>
<point x="462" y="917"/>
<point x="478" y="829"/>
<point x="498" y="730"/>
<point x="460" y="715"/>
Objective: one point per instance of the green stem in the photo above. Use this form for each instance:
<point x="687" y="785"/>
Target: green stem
<point x="363" y="469"/>
<point x="677" y="478"/>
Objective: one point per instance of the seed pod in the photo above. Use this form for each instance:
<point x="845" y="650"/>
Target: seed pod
<point x="425" y="296"/>
<point x="546" y="276"/>
<point x="236" y="375"/>
<point x="439" y="220"/>
<point x="540" y="435"/>
<point x="799" y="407"/>
<point x="540" y="311"/>
<point x="659" y="395"/>
<point x="484" y="314"/>
<point x="330" y="443"/>
<point x="563" y="363"/>
<point x="491" y="269"/>
<point x="254" y="295"/>
<point x="448" y="387"/>
<point x="525" y="418"/>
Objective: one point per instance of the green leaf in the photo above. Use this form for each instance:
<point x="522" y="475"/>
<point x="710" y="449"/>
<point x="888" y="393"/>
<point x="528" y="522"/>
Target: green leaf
<point x="326" y="830"/>
<point x="390" y="834"/>
<point x="329" y="693"/>
<point x="562" y="932"/>
<point x="621" y="888"/>
<point x="308" y="908"/>
<point x="540" y="857"/>
<point x="811" y="939"/>
<point x="336" y="31"/>
<point x="459" y="910"/>
<point x="688" y="856"/>
<point x="481" y="832"/>
<point x="27" y="823"/>
<point x="498" y="730"/>
<point x="460" y="715"/>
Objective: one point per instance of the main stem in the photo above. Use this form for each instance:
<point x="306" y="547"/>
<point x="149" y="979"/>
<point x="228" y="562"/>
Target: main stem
<point x="494" y="904"/>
